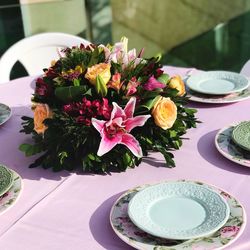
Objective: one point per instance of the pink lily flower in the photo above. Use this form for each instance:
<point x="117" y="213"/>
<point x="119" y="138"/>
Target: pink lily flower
<point x="120" y="54"/>
<point x="117" y="129"/>
<point x="153" y="84"/>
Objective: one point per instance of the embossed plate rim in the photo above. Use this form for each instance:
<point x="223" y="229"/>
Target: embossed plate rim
<point x="193" y="80"/>
<point x="142" y="201"/>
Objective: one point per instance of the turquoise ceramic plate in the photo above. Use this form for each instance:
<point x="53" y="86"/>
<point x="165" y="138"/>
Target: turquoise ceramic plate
<point x="135" y="237"/>
<point x="6" y="179"/>
<point x="178" y="210"/>
<point x="5" y="113"/>
<point x="217" y="82"/>
<point x="241" y="135"/>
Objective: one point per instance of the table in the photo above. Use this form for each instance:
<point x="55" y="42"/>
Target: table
<point x="65" y="211"/>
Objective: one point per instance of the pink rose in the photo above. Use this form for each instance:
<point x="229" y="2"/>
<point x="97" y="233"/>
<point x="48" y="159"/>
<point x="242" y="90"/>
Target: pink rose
<point x="230" y="231"/>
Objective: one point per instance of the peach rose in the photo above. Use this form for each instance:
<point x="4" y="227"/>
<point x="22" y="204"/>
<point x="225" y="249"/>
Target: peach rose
<point x="177" y="83"/>
<point x="101" y="69"/>
<point x="164" y="112"/>
<point x="41" y="112"/>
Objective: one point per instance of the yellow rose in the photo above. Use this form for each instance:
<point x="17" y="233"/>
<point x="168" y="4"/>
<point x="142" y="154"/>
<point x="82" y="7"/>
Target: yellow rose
<point x="164" y="112"/>
<point x="101" y="69"/>
<point x="177" y="83"/>
<point x="41" y="112"/>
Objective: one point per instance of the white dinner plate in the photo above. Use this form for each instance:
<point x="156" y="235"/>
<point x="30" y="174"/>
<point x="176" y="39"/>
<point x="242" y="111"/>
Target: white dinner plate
<point x="226" y="146"/>
<point x="178" y="210"/>
<point x="5" y="113"/>
<point x="217" y="82"/>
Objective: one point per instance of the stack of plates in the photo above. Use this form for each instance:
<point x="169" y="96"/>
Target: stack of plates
<point x="233" y="142"/>
<point x="179" y="215"/>
<point x="218" y="87"/>
<point x="10" y="187"/>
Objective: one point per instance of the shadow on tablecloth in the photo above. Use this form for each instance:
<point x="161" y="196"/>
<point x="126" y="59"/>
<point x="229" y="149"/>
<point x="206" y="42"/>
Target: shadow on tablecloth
<point x="101" y="229"/>
<point x="207" y="149"/>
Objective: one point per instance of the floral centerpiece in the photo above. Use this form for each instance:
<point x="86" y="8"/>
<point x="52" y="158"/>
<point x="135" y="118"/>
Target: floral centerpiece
<point x="103" y="108"/>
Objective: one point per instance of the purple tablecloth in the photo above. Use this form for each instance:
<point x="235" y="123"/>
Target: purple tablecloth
<point x="59" y="211"/>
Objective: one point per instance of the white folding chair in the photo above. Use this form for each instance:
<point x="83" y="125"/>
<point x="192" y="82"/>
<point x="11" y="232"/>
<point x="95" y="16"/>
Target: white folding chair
<point x="246" y="69"/>
<point x="36" y="52"/>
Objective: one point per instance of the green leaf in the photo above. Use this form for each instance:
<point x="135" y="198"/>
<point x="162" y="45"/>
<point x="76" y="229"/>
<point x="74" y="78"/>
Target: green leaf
<point x="100" y="86"/>
<point x="29" y="149"/>
<point x="94" y="57"/>
<point x="158" y="57"/>
<point x="67" y="94"/>
<point x="126" y="159"/>
<point x="150" y="103"/>
<point x="88" y="92"/>
<point x="76" y="82"/>
<point x="62" y="156"/>
<point x="151" y="94"/>
<point x="172" y="133"/>
<point x="91" y="157"/>
<point x="163" y="78"/>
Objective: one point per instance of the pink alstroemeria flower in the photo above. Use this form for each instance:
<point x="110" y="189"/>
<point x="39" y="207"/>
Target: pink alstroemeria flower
<point x="132" y="85"/>
<point x="152" y="84"/>
<point x="116" y="130"/>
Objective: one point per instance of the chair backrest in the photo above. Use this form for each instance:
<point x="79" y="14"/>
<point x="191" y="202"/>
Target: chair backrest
<point x="246" y="69"/>
<point x="36" y="52"/>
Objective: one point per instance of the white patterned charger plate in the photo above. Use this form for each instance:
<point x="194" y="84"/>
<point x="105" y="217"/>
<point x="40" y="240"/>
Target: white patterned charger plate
<point x="178" y="210"/>
<point x="8" y="199"/>
<point x="217" y="82"/>
<point x="5" y="113"/>
<point x="226" y="146"/>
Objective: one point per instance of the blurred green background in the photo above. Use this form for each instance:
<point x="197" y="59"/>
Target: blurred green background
<point x="206" y="34"/>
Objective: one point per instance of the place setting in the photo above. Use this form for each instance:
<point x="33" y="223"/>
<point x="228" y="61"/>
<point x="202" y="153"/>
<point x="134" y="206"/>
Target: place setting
<point x="233" y="142"/>
<point x="217" y="87"/>
<point x="10" y="187"/>
<point x="5" y="113"/>
<point x="174" y="215"/>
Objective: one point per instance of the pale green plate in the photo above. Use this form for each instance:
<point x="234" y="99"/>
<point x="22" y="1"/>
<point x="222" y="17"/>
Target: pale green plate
<point x="6" y="179"/>
<point x="241" y="135"/>
<point x="217" y="82"/>
<point x="135" y="237"/>
<point x="178" y="210"/>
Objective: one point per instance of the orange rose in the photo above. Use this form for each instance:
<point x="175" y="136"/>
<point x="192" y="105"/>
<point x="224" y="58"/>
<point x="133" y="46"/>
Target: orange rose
<point x="164" y="112"/>
<point x="41" y="112"/>
<point x="101" y="69"/>
<point x="177" y="83"/>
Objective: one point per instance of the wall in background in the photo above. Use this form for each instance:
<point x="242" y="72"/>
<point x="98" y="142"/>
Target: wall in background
<point x="53" y="16"/>
<point x="161" y="25"/>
